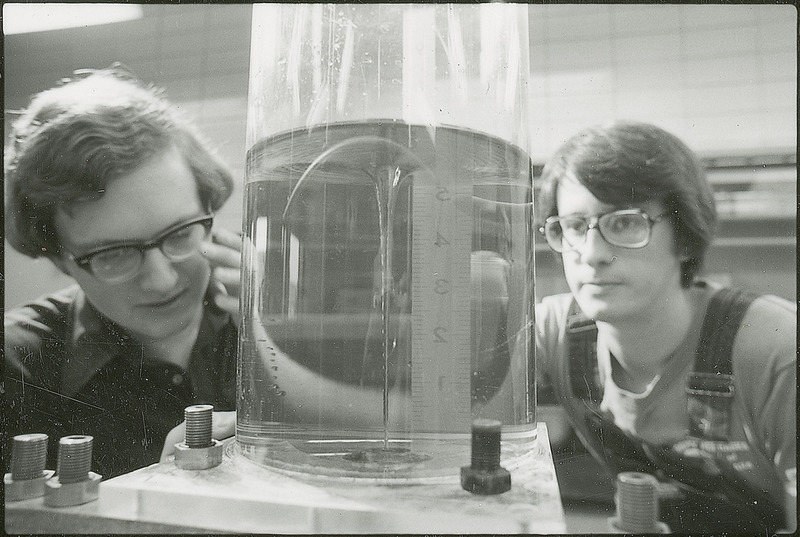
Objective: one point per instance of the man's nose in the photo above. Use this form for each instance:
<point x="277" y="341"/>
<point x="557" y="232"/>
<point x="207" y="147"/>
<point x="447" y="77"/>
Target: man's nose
<point x="595" y="250"/>
<point x="158" y="271"/>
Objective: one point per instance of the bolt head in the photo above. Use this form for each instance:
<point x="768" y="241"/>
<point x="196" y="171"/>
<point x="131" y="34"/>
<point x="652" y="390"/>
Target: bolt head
<point x="187" y="458"/>
<point x="57" y="494"/>
<point x="25" y="489"/>
<point x="484" y="482"/>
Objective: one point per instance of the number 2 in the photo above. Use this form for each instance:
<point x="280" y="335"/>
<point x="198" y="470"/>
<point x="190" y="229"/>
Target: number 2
<point x="438" y="334"/>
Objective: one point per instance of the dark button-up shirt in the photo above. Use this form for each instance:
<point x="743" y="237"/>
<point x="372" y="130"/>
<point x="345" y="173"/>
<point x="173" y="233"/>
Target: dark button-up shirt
<point x="69" y="370"/>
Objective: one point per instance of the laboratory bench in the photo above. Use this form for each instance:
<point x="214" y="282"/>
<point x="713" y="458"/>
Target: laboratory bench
<point x="240" y="497"/>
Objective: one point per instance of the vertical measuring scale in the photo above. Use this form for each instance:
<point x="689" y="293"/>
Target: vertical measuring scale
<point x="441" y="341"/>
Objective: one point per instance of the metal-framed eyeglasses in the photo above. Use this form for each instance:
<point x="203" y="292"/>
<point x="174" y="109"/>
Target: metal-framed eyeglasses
<point x="116" y="264"/>
<point x="627" y="228"/>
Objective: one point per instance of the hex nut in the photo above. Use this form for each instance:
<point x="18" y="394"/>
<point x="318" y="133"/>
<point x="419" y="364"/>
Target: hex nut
<point x="187" y="458"/>
<point x="57" y="494"/>
<point x="489" y="482"/>
<point x="25" y="489"/>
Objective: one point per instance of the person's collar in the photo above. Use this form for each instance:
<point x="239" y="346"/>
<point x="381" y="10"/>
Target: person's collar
<point x="96" y="340"/>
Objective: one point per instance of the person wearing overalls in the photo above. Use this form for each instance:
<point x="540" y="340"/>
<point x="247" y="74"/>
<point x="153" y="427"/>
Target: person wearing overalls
<point x="659" y="371"/>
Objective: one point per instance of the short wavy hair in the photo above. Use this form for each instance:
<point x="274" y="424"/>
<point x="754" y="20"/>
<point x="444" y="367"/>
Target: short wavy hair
<point x="631" y="163"/>
<point x="76" y="137"/>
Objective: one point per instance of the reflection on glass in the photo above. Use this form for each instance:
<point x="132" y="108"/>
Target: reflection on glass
<point x="387" y="290"/>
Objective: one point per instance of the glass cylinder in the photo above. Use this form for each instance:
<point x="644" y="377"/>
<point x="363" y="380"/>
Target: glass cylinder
<point x="387" y="283"/>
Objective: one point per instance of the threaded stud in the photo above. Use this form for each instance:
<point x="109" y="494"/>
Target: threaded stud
<point x="198" y="425"/>
<point x="485" y="444"/>
<point x="637" y="504"/>
<point x="28" y="456"/>
<point x="74" y="458"/>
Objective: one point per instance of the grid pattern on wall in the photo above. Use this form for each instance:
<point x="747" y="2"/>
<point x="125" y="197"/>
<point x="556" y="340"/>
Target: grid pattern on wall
<point x="722" y="77"/>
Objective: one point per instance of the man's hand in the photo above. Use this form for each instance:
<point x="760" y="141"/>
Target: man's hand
<point x="224" y="254"/>
<point x="223" y="425"/>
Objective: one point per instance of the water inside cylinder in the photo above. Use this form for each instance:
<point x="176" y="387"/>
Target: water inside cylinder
<point x="387" y="300"/>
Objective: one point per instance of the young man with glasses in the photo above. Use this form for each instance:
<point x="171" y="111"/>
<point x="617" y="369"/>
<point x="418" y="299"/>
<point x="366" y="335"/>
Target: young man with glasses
<point x="657" y="370"/>
<point x="104" y="179"/>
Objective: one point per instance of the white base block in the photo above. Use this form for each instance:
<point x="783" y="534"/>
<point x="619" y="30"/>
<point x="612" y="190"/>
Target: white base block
<point x="241" y="497"/>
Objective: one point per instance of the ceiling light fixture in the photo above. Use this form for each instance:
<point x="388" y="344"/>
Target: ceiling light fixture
<point x="21" y="18"/>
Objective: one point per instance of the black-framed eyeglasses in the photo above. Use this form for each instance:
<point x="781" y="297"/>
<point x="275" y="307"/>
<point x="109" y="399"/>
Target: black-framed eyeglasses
<point x="116" y="264"/>
<point x="628" y="228"/>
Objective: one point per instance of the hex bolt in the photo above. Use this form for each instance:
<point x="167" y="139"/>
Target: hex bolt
<point x="74" y="482"/>
<point x="485" y="475"/>
<point x="198" y="451"/>
<point x="28" y="475"/>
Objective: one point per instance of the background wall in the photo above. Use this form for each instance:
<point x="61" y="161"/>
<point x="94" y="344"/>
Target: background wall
<point x="722" y="77"/>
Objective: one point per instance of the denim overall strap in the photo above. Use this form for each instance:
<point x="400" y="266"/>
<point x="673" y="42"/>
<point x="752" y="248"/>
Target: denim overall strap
<point x="703" y="507"/>
<point x="584" y="372"/>
<point x="710" y="387"/>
